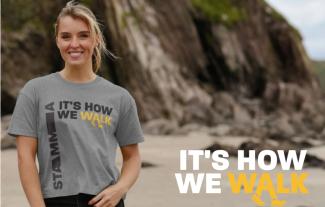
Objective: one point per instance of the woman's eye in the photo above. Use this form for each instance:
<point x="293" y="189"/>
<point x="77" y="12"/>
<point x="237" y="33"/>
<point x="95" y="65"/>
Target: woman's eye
<point x="84" y="36"/>
<point x="65" y="37"/>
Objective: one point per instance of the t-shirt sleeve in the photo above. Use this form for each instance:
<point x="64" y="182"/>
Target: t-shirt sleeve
<point x="24" y="118"/>
<point x="128" y="129"/>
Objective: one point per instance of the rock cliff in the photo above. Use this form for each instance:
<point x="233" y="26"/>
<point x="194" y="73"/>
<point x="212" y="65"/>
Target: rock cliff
<point x="188" y="61"/>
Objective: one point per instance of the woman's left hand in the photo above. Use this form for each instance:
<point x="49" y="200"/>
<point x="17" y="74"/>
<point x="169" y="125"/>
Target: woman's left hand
<point x="111" y="195"/>
<point x="108" y="197"/>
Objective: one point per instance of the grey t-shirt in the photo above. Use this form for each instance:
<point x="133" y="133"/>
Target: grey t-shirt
<point x="78" y="127"/>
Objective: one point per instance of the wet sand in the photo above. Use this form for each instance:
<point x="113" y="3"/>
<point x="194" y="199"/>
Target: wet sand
<point x="157" y="185"/>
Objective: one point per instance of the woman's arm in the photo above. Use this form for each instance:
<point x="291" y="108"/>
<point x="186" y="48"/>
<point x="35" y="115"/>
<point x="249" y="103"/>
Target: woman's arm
<point x="26" y="150"/>
<point x="131" y="166"/>
<point x="129" y="174"/>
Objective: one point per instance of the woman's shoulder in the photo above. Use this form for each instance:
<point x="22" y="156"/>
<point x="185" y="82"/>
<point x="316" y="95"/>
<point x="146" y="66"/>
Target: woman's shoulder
<point x="125" y="97"/>
<point x="113" y="87"/>
<point x="38" y="80"/>
<point x="31" y="86"/>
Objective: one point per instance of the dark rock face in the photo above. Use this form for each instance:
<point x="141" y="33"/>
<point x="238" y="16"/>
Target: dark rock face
<point x="242" y="58"/>
<point x="160" y="58"/>
<point x="258" y="49"/>
<point x="27" y="45"/>
<point x="235" y="64"/>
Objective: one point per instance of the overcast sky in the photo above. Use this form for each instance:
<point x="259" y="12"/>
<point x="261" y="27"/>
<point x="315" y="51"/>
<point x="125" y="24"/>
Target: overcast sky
<point x="308" y="16"/>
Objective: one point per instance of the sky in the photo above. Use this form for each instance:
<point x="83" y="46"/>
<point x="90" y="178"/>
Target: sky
<point x="308" y="16"/>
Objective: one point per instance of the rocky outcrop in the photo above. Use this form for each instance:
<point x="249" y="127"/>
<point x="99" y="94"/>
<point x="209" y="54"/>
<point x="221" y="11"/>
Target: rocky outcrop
<point x="231" y="62"/>
<point x="176" y="63"/>
<point x="161" y="56"/>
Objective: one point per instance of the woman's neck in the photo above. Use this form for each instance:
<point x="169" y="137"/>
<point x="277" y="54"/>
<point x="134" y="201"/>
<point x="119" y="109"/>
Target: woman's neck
<point x="77" y="74"/>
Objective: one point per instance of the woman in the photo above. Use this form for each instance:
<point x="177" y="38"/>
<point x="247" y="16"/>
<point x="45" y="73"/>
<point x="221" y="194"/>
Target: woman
<point x="74" y="120"/>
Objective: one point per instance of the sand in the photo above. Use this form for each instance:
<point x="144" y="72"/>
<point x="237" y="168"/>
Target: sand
<point x="156" y="186"/>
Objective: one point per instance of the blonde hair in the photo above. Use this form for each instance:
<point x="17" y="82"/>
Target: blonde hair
<point x="77" y="10"/>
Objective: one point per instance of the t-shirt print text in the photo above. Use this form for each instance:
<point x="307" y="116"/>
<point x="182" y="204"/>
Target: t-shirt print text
<point x="98" y="115"/>
<point x="54" y="147"/>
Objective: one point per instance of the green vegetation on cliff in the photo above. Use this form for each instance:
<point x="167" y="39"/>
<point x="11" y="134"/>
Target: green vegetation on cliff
<point x="16" y="14"/>
<point x="223" y="11"/>
<point x="319" y="67"/>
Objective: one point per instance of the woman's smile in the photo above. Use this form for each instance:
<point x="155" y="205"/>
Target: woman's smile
<point x="75" y="54"/>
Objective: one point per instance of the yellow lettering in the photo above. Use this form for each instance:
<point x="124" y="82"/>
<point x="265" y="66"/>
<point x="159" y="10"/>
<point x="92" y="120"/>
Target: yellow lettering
<point x="265" y="184"/>
<point x="96" y="119"/>
<point x="280" y="187"/>
<point x="297" y="182"/>
<point x="85" y="115"/>
<point x="108" y="120"/>
<point x="242" y="181"/>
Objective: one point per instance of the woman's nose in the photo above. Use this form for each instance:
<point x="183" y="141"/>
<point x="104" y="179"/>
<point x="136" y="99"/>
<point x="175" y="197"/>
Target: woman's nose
<point x="74" y="42"/>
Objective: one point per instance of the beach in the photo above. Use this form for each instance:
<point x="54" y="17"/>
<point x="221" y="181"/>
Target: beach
<point x="157" y="186"/>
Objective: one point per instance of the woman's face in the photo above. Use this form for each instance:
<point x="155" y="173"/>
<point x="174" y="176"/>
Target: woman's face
<point x="75" y="42"/>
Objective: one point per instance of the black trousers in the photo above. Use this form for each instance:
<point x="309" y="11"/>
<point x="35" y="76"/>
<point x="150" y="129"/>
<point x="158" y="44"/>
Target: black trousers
<point x="80" y="200"/>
